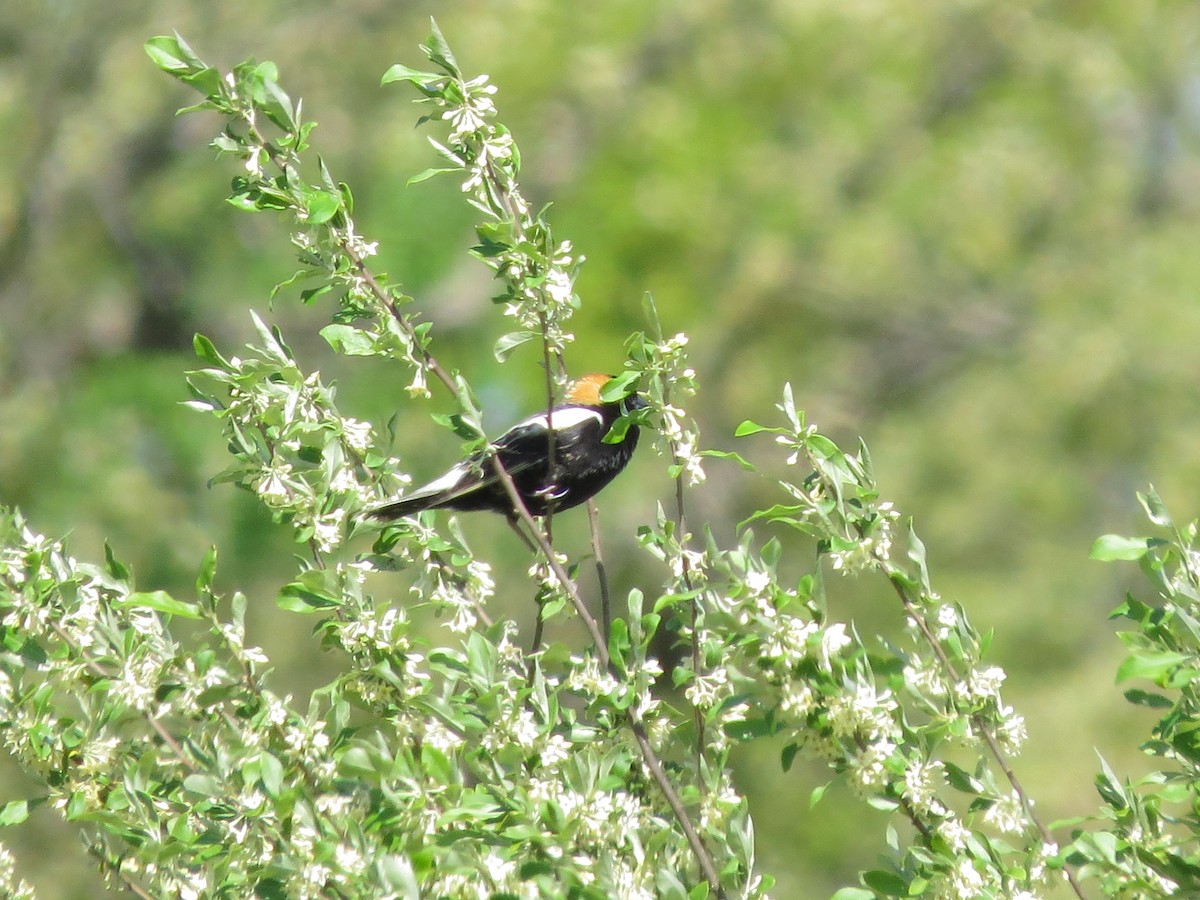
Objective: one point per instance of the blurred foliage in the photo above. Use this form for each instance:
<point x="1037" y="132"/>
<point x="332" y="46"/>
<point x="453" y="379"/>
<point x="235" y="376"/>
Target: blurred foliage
<point x="965" y="230"/>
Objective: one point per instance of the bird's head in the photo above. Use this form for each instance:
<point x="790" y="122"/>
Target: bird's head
<point x="598" y="389"/>
<point x="585" y="391"/>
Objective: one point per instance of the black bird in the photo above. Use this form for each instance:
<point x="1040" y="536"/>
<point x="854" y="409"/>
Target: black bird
<point x="583" y="464"/>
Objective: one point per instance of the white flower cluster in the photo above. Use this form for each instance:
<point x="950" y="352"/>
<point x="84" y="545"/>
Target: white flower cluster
<point x="543" y="293"/>
<point x="463" y="594"/>
<point x="682" y="436"/>
<point x="869" y="540"/>
<point x="541" y="281"/>
<point x="12" y="887"/>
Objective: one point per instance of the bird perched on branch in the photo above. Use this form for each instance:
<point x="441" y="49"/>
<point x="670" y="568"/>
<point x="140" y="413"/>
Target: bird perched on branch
<point x="583" y="463"/>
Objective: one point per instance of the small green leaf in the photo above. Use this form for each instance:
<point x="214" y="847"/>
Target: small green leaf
<point x="787" y="514"/>
<point x="620" y="386"/>
<point x="1156" y="510"/>
<point x="729" y="454"/>
<point x="887" y="883"/>
<point x="962" y="780"/>
<point x="168" y="54"/>
<point x="160" y="601"/>
<point x="400" y="72"/>
<point x="348" y="340"/>
<point x="747" y="427"/>
<point x="817" y="794"/>
<point x="14" y="812"/>
<point x="1146" y="698"/>
<point x="438" y="50"/>
<point x="295" y="597"/>
<point x="208" y="352"/>
<point x="620" y="428"/>
<point x="203" y="785"/>
<point x="208" y="572"/>
<point x="1151" y="666"/>
<point x="322" y="206"/>
<point x="1109" y="547"/>
<point x="426" y="174"/>
<point x="270" y="770"/>
<point x="510" y="342"/>
<point x="115" y="567"/>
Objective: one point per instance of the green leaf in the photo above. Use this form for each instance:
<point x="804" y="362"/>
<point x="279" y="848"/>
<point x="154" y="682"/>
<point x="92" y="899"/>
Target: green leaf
<point x="1109" y="547"/>
<point x="400" y="72"/>
<point x="115" y="567"/>
<point x="426" y="174"/>
<point x="962" y="780"/>
<point x="438" y="50"/>
<point x="203" y="785"/>
<point x="620" y="428"/>
<point x="296" y="597"/>
<point x="852" y="893"/>
<point x="1156" y="510"/>
<point x="322" y="206"/>
<point x="208" y="572"/>
<point x="780" y="512"/>
<point x="268" y="95"/>
<point x="1151" y="666"/>
<point x="1146" y="698"/>
<point x="14" y="812"/>
<point x="620" y="386"/>
<point x="172" y="54"/>
<point x="208" y="352"/>
<point x="883" y="882"/>
<point x="510" y="342"/>
<point x="160" y="601"/>
<point x="348" y="340"/>
<point x="729" y="454"/>
<point x="817" y="794"/>
<point x="747" y="427"/>
<point x="270" y="770"/>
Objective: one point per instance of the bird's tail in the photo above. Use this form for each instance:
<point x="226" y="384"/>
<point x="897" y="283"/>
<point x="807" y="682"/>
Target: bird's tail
<point x="405" y="506"/>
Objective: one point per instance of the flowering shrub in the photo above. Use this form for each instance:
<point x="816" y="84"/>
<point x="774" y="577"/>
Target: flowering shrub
<point x="491" y="770"/>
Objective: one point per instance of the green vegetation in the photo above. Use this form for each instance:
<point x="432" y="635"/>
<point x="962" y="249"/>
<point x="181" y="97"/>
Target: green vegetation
<point x="964" y="232"/>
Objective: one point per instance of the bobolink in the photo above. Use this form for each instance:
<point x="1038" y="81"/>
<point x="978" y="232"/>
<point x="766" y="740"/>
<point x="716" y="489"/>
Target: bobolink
<point x="583" y="462"/>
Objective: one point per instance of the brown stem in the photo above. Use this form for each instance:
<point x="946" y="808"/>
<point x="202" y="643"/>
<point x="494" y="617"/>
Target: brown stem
<point x="707" y="867"/>
<point x="601" y="572"/>
<point x="686" y="570"/>
<point x="653" y="764"/>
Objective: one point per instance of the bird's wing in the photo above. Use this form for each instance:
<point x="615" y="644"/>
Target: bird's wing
<point x="519" y="449"/>
<point x="525" y="444"/>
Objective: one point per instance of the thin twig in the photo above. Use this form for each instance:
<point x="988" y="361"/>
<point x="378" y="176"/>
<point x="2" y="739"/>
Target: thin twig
<point x="653" y="764"/>
<point x="668" y="789"/>
<point x="681" y="537"/>
<point x="601" y="572"/>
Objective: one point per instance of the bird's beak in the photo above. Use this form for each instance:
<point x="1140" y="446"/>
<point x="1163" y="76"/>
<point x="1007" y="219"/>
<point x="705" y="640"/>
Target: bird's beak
<point x="633" y="402"/>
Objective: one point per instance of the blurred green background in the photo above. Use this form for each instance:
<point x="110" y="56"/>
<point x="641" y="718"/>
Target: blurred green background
<point x="966" y="231"/>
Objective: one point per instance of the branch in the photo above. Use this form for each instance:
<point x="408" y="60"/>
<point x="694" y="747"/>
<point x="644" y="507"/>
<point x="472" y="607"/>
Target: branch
<point x="979" y="723"/>
<point x="653" y="764"/>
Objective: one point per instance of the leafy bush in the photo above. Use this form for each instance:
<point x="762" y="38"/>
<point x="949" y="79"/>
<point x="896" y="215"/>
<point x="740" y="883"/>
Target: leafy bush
<point x="481" y="767"/>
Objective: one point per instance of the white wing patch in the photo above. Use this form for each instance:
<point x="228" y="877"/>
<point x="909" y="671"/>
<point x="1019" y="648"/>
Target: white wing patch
<point x="563" y="418"/>
<point x="445" y="482"/>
